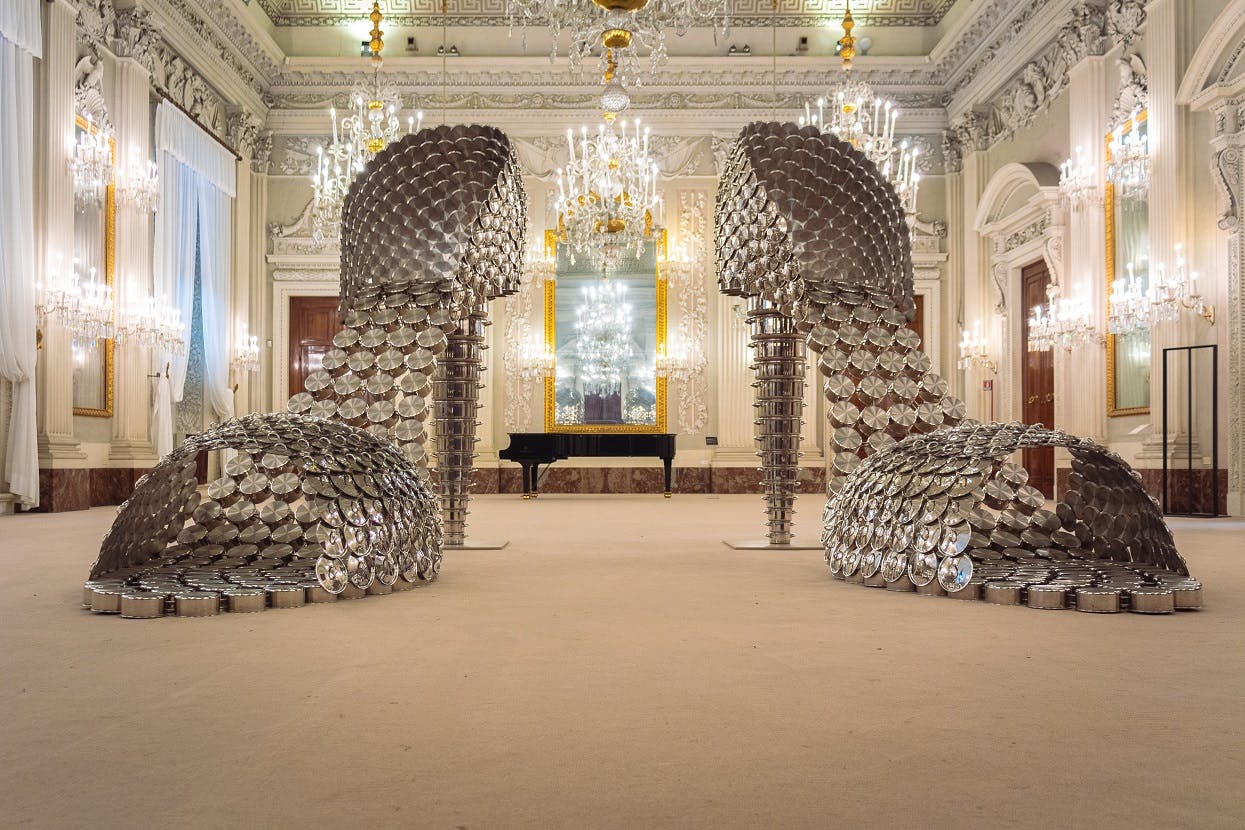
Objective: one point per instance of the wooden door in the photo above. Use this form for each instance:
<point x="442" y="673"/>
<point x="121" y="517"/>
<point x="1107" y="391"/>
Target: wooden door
<point x="918" y="321"/>
<point x="313" y="322"/>
<point x="1037" y="380"/>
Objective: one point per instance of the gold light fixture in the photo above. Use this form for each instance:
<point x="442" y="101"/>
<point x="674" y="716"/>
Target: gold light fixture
<point x="847" y="43"/>
<point x="370" y="127"/>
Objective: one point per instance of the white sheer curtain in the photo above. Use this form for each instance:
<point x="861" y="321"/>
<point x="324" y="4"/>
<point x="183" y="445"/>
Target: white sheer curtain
<point x="197" y="182"/>
<point x="20" y="43"/>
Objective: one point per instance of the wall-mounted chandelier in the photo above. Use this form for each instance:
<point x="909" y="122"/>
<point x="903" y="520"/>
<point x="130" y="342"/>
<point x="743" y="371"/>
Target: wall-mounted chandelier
<point x="372" y="124"/>
<point x="603" y="344"/>
<point x="1078" y="182"/>
<point x="90" y="164"/>
<point x="152" y="323"/>
<point x="82" y="305"/>
<point x="1138" y="304"/>
<point x="975" y="350"/>
<point x="245" y="357"/>
<point x="1128" y="154"/>
<point x="607" y="193"/>
<point x="618" y="26"/>
<point x="1061" y="321"/>
<point x="138" y="183"/>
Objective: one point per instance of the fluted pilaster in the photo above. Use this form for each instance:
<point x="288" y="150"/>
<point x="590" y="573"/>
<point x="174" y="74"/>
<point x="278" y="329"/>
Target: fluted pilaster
<point x="54" y="215"/>
<point x="130" y="108"/>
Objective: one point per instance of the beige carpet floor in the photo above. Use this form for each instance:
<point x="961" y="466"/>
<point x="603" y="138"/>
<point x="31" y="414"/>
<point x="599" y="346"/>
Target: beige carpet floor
<point x="617" y="666"/>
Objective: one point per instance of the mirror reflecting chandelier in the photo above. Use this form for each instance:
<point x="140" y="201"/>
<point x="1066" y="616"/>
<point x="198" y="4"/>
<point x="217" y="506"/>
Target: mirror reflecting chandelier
<point x="621" y="26"/>
<point x="607" y="193"/>
<point x="245" y="353"/>
<point x="82" y="305"/>
<point x="372" y="125"/>
<point x="603" y="338"/>
<point x="1129" y="159"/>
<point x="1061" y="321"/>
<point x="90" y="164"/>
<point x="1078" y="182"/>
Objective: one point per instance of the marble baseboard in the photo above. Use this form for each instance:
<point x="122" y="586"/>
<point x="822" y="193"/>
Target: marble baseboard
<point x="113" y="485"/>
<point x="1189" y="491"/>
<point x="701" y="480"/>
<point x="61" y="490"/>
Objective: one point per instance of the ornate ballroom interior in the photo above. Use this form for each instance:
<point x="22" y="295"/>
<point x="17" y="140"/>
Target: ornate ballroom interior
<point x="627" y="339"/>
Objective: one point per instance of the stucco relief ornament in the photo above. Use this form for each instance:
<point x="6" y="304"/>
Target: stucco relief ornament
<point x="1134" y="88"/>
<point x="96" y="22"/>
<point x="1125" y="19"/>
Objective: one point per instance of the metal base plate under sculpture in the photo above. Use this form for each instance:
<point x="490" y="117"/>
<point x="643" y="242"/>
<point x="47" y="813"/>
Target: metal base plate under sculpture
<point x="476" y="544"/>
<point x="764" y="544"/>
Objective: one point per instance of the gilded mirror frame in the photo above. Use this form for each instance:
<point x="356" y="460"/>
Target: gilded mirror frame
<point x="551" y="343"/>
<point x="1108" y="202"/>
<point x="110" y="229"/>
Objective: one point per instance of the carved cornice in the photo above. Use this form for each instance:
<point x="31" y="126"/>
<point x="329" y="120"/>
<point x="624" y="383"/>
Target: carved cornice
<point x="744" y="13"/>
<point x="96" y="22"/>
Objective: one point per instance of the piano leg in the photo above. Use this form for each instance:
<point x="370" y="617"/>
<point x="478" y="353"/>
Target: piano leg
<point x="527" y="479"/>
<point x="666" y="464"/>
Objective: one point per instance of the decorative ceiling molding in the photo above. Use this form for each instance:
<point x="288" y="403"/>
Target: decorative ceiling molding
<point x="744" y="13"/>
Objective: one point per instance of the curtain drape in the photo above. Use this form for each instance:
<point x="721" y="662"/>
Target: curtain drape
<point x="20" y="44"/>
<point x="197" y="183"/>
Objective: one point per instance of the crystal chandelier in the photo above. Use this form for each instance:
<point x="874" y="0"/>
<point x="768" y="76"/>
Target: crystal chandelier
<point x="1135" y="306"/>
<point x="607" y="193"/>
<point x="975" y="350"/>
<point x="536" y="361"/>
<point x="674" y="361"/>
<point x="1128" y="152"/>
<point x="369" y="128"/>
<point x="619" y="27"/>
<point x="152" y="323"/>
<point x="245" y="353"/>
<point x="90" y="165"/>
<point x="1078" y="182"/>
<point x="84" y="307"/>
<point x="138" y="184"/>
<point x="603" y="338"/>
<point x="1062" y="321"/>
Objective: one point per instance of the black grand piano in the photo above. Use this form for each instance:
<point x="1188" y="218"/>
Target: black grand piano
<point x="531" y="449"/>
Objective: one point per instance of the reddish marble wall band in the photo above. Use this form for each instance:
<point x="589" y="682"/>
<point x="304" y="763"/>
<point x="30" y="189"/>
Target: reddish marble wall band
<point x="1189" y="491"/>
<point x="509" y="479"/>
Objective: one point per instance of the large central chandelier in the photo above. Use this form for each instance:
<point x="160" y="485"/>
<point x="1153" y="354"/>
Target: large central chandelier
<point x="854" y="113"/>
<point x="371" y="126"/>
<point x="623" y="26"/>
<point x="603" y="344"/>
<point x="607" y="193"/>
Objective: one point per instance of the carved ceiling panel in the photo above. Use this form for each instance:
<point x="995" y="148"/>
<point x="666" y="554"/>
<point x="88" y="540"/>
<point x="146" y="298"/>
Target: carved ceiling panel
<point x="494" y="13"/>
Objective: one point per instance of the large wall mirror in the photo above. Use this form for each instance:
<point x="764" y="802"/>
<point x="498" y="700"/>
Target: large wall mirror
<point x="605" y="329"/>
<point x="1128" y="355"/>
<point x="93" y="235"/>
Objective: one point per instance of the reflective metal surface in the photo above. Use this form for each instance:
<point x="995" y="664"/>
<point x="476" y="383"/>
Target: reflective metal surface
<point x="809" y="231"/>
<point x="318" y="500"/>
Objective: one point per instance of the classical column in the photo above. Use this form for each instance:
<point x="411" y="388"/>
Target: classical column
<point x="1081" y="375"/>
<point x="953" y="286"/>
<point x="131" y="115"/>
<point x="54" y="217"/>
<point x="1167" y="30"/>
<point x="1227" y="164"/>
<point x="735" y="413"/>
<point x="982" y="299"/>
